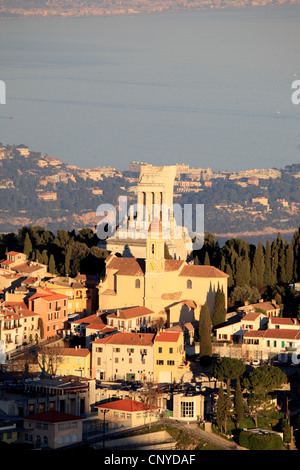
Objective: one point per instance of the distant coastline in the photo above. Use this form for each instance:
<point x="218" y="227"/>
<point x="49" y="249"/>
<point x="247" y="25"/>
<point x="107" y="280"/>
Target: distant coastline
<point x="254" y="237"/>
<point x="93" y="8"/>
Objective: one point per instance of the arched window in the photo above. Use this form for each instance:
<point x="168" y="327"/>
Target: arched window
<point x="137" y="283"/>
<point x="189" y="284"/>
<point x="74" y="438"/>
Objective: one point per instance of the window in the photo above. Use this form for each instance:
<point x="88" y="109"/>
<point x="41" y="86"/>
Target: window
<point x="160" y="362"/>
<point x="189" y="284"/>
<point x="170" y="363"/>
<point x="152" y="248"/>
<point x="171" y="350"/>
<point x="187" y="409"/>
<point x="98" y="361"/>
<point x="99" y="349"/>
<point x="160" y="350"/>
<point x="137" y="283"/>
<point x="116" y="360"/>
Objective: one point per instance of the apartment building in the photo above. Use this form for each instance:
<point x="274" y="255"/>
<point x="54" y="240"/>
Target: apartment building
<point x="136" y="318"/>
<point x="52" y="309"/>
<point x="18" y="325"/>
<point x="275" y="343"/>
<point x="123" y="356"/>
<point x="52" y="429"/>
<point x="68" y="361"/>
<point x="76" y="292"/>
<point x="169" y="356"/>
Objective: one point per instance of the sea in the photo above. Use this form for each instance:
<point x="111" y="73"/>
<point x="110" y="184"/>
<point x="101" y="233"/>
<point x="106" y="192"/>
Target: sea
<point x="210" y="89"/>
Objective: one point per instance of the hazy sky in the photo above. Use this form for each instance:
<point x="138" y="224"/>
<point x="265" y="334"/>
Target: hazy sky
<point x="211" y="89"/>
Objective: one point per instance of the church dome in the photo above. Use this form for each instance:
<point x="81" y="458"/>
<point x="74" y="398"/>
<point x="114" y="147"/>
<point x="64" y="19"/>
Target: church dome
<point x="155" y="226"/>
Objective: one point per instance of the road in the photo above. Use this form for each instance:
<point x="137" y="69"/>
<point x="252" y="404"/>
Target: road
<point x="194" y="430"/>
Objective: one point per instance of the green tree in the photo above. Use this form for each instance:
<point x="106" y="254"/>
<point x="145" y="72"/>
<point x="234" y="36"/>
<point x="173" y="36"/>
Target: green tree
<point x="205" y="326"/>
<point x="260" y="382"/>
<point x="289" y="263"/>
<point x="221" y="415"/>
<point x="239" y="403"/>
<point x="268" y="277"/>
<point x="27" y="245"/>
<point x="52" y="266"/>
<point x="219" y="308"/>
<point x="229" y="368"/>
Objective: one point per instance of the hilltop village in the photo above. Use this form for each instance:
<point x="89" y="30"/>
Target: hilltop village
<point x="157" y="337"/>
<point x="37" y="189"/>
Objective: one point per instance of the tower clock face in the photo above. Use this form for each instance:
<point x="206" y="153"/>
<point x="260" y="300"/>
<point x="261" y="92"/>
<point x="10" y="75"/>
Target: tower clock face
<point x="155" y="266"/>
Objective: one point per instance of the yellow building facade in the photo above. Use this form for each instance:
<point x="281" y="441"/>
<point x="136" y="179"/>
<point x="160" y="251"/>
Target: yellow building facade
<point x="169" y="357"/>
<point x="66" y="361"/>
<point x="76" y="292"/>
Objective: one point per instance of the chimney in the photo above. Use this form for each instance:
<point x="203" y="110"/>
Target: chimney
<point x="118" y="312"/>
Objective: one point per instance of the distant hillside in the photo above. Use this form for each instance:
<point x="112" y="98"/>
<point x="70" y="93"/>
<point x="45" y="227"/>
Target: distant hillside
<point x="38" y="190"/>
<point x="78" y="8"/>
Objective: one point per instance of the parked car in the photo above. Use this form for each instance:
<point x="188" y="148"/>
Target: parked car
<point x="256" y="362"/>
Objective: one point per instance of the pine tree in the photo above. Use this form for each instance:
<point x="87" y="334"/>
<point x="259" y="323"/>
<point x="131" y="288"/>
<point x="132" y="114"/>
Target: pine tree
<point x="27" y="245"/>
<point x="205" y="335"/>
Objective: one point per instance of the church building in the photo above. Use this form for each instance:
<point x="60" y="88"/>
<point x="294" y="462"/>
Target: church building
<point x="172" y="289"/>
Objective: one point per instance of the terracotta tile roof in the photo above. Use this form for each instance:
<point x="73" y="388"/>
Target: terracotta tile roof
<point x="137" y="339"/>
<point x="126" y="405"/>
<point x="251" y="316"/>
<point x="261" y="305"/>
<point x="284" y="321"/>
<point x="173" y="264"/>
<point x="52" y="416"/>
<point x="274" y="333"/>
<point x="90" y="319"/>
<point x="171" y="337"/>
<point x="79" y="352"/>
<point x="47" y="295"/>
<point x="126" y="266"/>
<point x="27" y="268"/>
<point x="14" y="253"/>
<point x="131" y="313"/>
<point x="202" y="271"/>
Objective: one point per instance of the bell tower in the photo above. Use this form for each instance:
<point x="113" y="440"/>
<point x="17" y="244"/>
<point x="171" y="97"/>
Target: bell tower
<point x="155" y="265"/>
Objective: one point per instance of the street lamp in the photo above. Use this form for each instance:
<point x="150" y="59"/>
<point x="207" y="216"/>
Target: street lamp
<point x="104" y="411"/>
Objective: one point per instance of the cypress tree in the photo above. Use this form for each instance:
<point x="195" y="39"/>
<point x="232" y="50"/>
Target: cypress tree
<point x="259" y="264"/>
<point x="242" y="271"/>
<point x="221" y="409"/>
<point x="52" y="267"/>
<point x="205" y="353"/>
<point x="289" y="263"/>
<point x="27" y="245"/>
<point x="268" y="277"/>
<point x="239" y="403"/>
<point x="206" y="259"/>
<point x="219" y="309"/>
